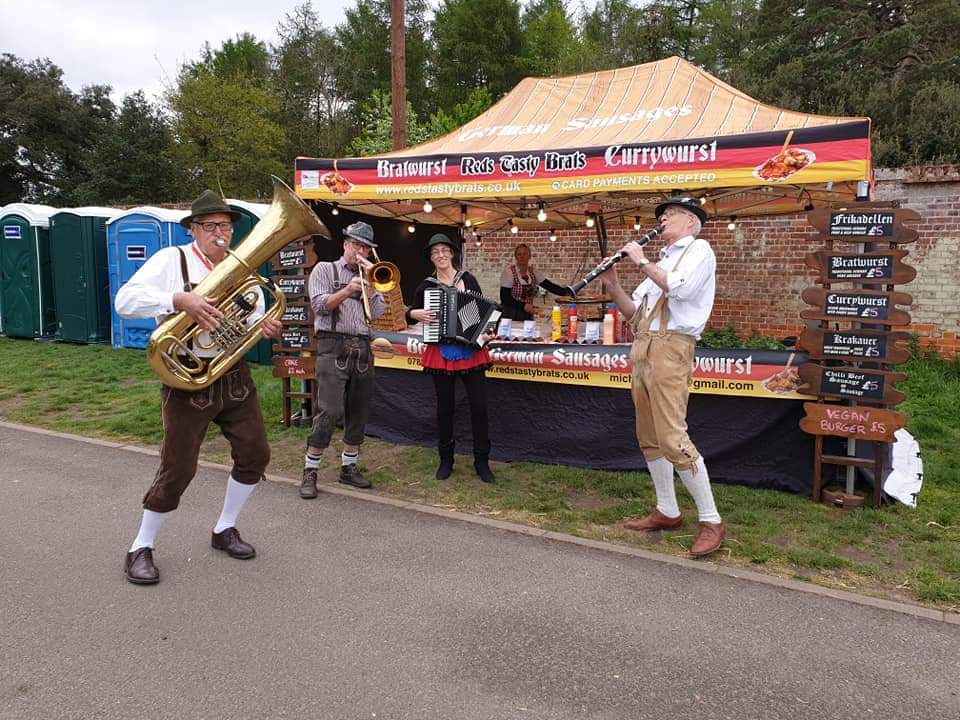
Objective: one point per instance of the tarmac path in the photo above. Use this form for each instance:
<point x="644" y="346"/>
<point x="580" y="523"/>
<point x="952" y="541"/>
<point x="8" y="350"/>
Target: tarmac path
<point x="356" y="609"/>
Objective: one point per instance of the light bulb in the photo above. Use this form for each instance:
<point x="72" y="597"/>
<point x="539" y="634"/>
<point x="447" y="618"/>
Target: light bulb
<point x="514" y="229"/>
<point x="335" y="210"/>
<point x="553" y="235"/>
<point x="427" y="207"/>
<point x="411" y="228"/>
<point x="703" y="200"/>
<point x="468" y="222"/>
<point x="636" y="223"/>
<point x="542" y="215"/>
<point x="590" y="221"/>
<point x="732" y="225"/>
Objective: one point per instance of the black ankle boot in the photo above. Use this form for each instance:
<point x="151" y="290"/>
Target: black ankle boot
<point x="446" y="462"/>
<point x="482" y="466"/>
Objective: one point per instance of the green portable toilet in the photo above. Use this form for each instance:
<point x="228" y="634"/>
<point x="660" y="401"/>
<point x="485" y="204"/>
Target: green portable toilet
<point x="81" y="281"/>
<point x="26" y="287"/>
<point x="250" y="214"/>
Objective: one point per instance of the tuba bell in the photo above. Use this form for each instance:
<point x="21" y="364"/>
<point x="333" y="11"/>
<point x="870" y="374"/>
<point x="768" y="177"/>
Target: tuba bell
<point x="236" y="286"/>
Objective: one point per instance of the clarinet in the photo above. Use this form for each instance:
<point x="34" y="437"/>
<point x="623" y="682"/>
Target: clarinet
<point x="611" y="261"/>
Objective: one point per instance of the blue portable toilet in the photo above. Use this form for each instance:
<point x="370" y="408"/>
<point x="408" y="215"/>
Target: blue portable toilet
<point x="250" y="214"/>
<point x="26" y="287"/>
<point x="78" y="265"/>
<point x="132" y="237"/>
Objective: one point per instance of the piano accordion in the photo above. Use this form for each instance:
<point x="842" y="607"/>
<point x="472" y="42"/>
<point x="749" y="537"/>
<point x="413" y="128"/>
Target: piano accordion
<point x="461" y="317"/>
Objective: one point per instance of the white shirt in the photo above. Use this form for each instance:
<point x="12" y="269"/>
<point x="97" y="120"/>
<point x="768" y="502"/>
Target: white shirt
<point x="506" y="277"/>
<point x="692" y="286"/>
<point x="149" y="293"/>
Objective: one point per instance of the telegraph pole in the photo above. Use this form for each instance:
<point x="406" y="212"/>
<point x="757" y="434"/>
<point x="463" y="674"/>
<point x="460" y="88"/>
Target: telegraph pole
<point x="398" y="73"/>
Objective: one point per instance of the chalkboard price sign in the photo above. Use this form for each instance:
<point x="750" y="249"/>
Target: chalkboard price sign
<point x="296" y="314"/>
<point x="291" y="285"/>
<point x="852" y="383"/>
<point x="857" y="344"/>
<point x="865" y="306"/>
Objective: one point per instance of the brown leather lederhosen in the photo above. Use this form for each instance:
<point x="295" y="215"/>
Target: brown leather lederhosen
<point x="231" y="402"/>
<point x="662" y="363"/>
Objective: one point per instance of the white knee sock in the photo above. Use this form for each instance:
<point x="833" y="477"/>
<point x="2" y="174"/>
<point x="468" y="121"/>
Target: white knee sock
<point x="237" y="494"/>
<point x="697" y="482"/>
<point x="311" y="461"/>
<point x="149" y="527"/>
<point x="349" y="458"/>
<point x="661" y="470"/>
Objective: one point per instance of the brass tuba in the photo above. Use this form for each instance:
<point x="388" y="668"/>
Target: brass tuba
<point x="236" y="286"/>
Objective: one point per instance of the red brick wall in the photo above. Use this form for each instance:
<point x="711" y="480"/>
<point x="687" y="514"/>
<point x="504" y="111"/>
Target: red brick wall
<point x="761" y="272"/>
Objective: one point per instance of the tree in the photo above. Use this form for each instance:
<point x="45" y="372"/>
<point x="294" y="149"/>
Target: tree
<point x="246" y="57"/>
<point x="548" y="40"/>
<point x="44" y="128"/>
<point x="363" y="42"/>
<point x="860" y="58"/>
<point x="226" y="135"/>
<point x="477" y="43"/>
<point x="307" y="63"/>
<point x="440" y="123"/>
<point x="376" y="136"/>
<point x="131" y="164"/>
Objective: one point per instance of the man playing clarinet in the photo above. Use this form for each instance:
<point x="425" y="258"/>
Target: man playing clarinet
<point x="668" y="311"/>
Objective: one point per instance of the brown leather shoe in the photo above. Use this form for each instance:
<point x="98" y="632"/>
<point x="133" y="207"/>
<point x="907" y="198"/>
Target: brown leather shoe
<point x="709" y="539"/>
<point x="350" y="475"/>
<point x="230" y="542"/>
<point x="308" y="487"/>
<point x="139" y="567"/>
<point x="655" y="521"/>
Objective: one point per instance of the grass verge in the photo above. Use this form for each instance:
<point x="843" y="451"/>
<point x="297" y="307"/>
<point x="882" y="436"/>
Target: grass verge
<point x="894" y="552"/>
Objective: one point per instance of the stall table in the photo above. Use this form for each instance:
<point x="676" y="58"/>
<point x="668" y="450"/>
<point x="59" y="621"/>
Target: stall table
<point x="570" y="404"/>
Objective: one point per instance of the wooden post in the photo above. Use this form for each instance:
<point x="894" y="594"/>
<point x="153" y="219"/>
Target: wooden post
<point x="398" y="73"/>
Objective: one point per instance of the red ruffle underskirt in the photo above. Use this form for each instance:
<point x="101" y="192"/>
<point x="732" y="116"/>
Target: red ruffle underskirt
<point x="434" y="362"/>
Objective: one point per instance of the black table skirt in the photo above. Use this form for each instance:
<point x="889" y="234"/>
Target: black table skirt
<point x="745" y="440"/>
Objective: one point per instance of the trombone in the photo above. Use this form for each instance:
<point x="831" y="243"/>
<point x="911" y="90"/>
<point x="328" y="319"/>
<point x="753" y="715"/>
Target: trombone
<point x="382" y="277"/>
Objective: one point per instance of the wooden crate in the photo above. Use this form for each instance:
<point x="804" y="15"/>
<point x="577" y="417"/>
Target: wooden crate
<point x="393" y="318"/>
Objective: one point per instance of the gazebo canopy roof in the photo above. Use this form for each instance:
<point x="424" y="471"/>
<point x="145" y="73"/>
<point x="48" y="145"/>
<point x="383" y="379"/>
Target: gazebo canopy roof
<point x="615" y="142"/>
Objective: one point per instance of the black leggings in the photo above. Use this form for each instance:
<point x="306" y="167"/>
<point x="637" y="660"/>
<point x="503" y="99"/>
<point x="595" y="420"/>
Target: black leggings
<point x="445" y="385"/>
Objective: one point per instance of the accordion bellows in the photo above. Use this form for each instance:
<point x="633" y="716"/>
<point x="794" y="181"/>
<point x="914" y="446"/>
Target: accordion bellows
<point x="460" y="316"/>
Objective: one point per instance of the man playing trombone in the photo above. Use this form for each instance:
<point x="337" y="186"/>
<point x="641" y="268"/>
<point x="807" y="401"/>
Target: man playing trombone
<point x="344" y="362"/>
<point x="668" y="311"/>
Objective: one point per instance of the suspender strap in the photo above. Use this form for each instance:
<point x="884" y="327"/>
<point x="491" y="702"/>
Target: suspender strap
<point x="335" y="284"/>
<point x="642" y="321"/>
<point x="184" y="274"/>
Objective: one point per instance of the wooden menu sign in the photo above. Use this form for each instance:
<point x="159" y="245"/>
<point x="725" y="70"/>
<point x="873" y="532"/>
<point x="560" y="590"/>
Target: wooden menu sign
<point x="295" y="338"/>
<point x="297" y="313"/>
<point x="862" y="423"/>
<point x="295" y="257"/>
<point x="874" y="267"/>
<point x="863" y="223"/>
<point x="293" y="286"/>
<point x="294" y="366"/>
<point x="866" y="306"/>
<point x="852" y="383"/>
<point x="858" y="345"/>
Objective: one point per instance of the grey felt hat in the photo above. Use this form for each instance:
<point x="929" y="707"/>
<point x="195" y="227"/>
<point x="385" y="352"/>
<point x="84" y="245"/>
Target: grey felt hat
<point x="360" y="232"/>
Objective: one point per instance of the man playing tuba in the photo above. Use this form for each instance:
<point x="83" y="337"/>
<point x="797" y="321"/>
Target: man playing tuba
<point x="163" y="285"/>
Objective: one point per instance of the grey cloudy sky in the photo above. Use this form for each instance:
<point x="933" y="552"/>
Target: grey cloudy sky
<point x="138" y="44"/>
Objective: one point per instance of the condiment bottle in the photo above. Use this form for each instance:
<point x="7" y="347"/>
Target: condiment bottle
<point x="609" y="325"/>
<point x="572" y="322"/>
<point x="555" y="320"/>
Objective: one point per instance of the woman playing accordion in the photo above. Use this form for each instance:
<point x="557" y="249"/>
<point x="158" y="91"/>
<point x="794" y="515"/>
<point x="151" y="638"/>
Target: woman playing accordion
<point x="447" y="360"/>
